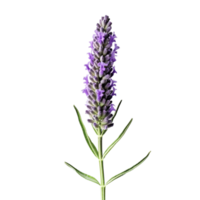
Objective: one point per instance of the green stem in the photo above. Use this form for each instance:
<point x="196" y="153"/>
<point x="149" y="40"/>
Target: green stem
<point x="103" y="187"/>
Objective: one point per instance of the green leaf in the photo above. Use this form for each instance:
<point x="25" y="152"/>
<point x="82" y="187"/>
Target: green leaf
<point x="117" y="140"/>
<point x="114" y="115"/>
<point x="128" y="170"/>
<point x="87" y="138"/>
<point x="88" y="177"/>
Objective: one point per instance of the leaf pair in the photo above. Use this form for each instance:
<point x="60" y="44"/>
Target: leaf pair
<point x="90" y="178"/>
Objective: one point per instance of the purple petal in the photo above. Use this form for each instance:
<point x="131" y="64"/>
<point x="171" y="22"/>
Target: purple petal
<point x="99" y="94"/>
<point x="111" y="108"/>
<point x="100" y="36"/>
<point x="85" y="91"/>
<point x="87" y="67"/>
<point x="91" y="57"/>
<point x="91" y="45"/>
<point x="86" y="80"/>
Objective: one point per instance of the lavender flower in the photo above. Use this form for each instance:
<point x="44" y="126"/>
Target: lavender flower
<point x="100" y="88"/>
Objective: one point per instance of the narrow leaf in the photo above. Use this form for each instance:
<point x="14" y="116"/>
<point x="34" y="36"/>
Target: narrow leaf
<point x="128" y="170"/>
<point x="88" y="177"/>
<point x="117" y="140"/>
<point x="114" y="115"/>
<point x="87" y="138"/>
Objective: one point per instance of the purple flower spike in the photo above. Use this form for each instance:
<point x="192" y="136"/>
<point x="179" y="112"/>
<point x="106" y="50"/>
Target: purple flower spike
<point x="99" y="85"/>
